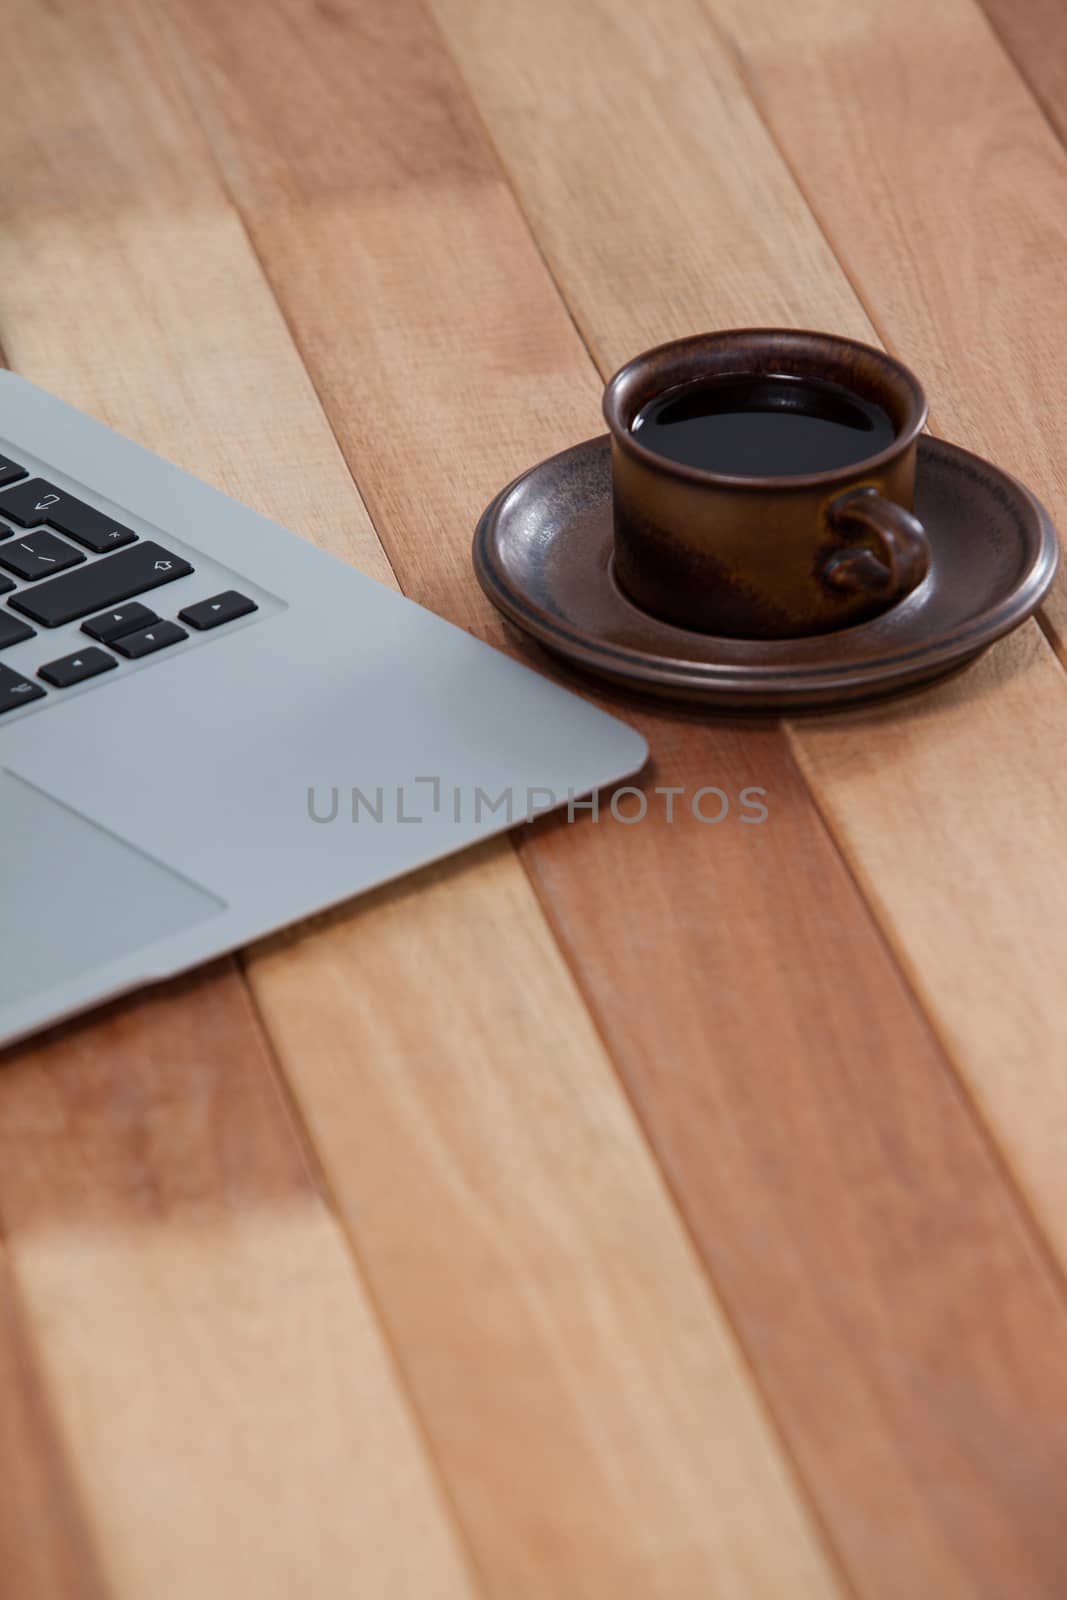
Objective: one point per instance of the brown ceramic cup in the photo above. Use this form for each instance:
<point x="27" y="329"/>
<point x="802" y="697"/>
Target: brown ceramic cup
<point x="774" y="557"/>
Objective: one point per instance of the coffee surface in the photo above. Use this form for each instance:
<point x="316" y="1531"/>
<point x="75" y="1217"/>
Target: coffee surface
<point x="763" y="427"/>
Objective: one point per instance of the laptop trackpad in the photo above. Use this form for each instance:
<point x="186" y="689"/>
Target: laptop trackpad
<point x="74" y="897"/>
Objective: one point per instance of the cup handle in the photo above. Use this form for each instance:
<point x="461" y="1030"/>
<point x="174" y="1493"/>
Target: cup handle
<point x="900" y="558"/>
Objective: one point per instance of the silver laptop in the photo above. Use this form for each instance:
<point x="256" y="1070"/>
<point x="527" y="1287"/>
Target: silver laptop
<point x="209" y="728"/>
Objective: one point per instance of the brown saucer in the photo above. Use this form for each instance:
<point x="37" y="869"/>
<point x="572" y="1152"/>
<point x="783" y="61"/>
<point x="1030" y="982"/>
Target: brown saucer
<point x="543" y="555"/>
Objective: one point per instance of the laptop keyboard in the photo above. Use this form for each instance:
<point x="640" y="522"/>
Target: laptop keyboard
<point x="94" y="585"/>
<point x="74" y="563"/>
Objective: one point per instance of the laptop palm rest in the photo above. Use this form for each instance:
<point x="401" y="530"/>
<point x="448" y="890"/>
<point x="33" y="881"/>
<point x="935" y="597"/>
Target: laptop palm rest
<point x="83" y="897"/>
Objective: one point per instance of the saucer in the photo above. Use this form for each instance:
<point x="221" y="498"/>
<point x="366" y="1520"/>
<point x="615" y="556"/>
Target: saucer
<point x="543" y="555"/>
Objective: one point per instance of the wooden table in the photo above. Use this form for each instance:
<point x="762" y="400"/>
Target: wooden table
<point x="620" y="1211"/>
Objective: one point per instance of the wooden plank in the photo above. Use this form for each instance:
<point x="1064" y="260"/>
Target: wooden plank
<point x="824" y="1157"/>
<point x="1034" y="32"/>
<point x="967" y="285"/>
<point x="598" y="1427"/>
<point x="46" y="1552"/>
<point x="587" y="1406"/>
<point x="222" y="1390"/>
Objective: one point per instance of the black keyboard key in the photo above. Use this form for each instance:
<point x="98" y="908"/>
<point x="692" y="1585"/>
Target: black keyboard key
<point x="12" y="631"/>
<point x="225" y="607"/>
<point x="15" y="690"/>
<point x="39" y="555"/>
<point x="113" y="624"/>
<point x="100" y="584"/>
<point x="31" y="502"/>
<point x="5" y="531"/>
<point x="92" y="528"/>
<point x="5" y="583"/>
<point x="37" y="500"/>
<point x="10" y="471"/>
<point x="148" y="640"/>
<point x="69" y="670"/>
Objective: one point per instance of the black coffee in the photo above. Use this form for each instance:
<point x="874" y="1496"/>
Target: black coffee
<point x="763" y="427"/>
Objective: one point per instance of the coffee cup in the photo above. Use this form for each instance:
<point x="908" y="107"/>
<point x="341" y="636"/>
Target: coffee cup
<point x="763" y="482"/>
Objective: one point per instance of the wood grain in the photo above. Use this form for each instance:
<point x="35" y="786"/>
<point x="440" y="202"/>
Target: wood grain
<point x="46" y="1552"/>
<point x="578" y="1353"/>
<point x="1035" y="35"/>
<point x="958" y="259"/>
<point x="221" y="1387"/>
<point x="857" y="1224"/>
<point x="589" y="1410"/>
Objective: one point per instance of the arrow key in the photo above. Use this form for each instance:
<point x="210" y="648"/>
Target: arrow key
<point x="225" y="607"/>
<point x="113" y="624"/>
<point x="69" y="670"/>
<point x="148" y="640"/>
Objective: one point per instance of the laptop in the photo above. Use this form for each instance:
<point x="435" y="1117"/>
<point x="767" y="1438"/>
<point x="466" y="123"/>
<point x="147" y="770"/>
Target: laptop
<point x="209" y="728"/>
